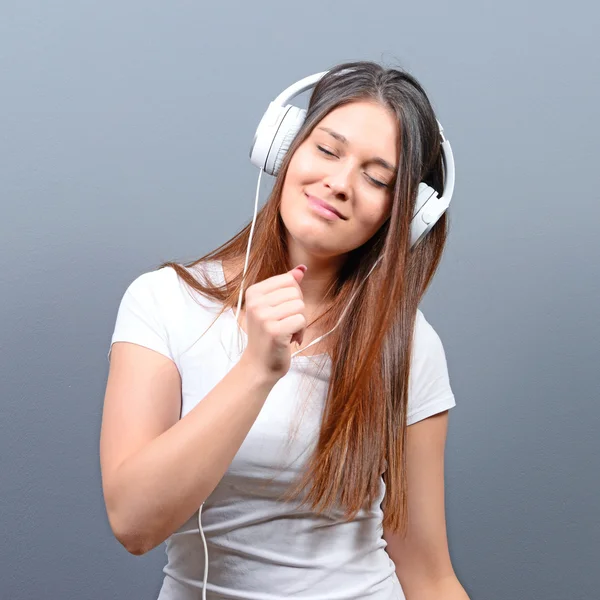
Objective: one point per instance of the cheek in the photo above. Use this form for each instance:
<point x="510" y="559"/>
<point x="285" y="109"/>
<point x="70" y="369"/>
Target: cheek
<point x="303" y="166"/>
<point x="300" y="173"/>
<point x="375" y="211"/>
<point x="370" y="218"/>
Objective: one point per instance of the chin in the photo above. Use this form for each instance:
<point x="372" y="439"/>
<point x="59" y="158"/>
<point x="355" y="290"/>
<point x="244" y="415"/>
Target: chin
<point x="311" y="241"/>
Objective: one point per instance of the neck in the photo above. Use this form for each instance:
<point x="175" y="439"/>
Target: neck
<point x="318" y="278"/>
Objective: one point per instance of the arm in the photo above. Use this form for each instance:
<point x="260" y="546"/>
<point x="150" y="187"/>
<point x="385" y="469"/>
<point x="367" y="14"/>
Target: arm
<point x="158" y="469"/>
<point x="422" y="557"/>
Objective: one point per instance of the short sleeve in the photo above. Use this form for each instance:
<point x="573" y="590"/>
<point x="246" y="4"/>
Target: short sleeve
<point x="429" y="383"/>
<point x="141" y="315"/>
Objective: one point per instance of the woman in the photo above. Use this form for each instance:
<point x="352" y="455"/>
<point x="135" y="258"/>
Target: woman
<point x="311" y="452"/>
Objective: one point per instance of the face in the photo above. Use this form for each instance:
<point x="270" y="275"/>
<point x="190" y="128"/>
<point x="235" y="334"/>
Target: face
<point x="348" y="162"/>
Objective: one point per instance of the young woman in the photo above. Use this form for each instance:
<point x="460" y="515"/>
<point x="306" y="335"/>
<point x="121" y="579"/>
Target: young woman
<point x="295" y="448"/>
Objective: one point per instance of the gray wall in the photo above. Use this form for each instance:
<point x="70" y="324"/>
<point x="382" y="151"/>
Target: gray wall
<point x="124" y="137"/>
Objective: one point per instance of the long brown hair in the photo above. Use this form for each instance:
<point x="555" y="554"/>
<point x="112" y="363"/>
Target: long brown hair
<point x="363" y="429"/>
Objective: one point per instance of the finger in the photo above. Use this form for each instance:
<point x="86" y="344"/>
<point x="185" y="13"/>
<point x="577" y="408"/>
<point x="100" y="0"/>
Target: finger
<point x="282" y="295"/>
<point x="298" y="272"/>
<point x="288" y="279"/>
<point x="293" y="325"/>
<point x="284" y="310"/>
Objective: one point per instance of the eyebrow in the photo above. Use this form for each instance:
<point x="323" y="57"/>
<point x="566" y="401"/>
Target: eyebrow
<point x="340" y="138"/>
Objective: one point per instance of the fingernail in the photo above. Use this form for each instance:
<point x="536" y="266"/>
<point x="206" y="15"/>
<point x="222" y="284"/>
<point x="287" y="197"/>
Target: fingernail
<point x="303" y="268"/>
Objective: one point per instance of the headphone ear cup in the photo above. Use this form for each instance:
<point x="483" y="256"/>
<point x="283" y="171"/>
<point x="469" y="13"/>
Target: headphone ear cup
<point x="425" y="192"/>
<point x="428" y="210"/>
<point x="290" y="126"/>
<point x="265" y="133"/>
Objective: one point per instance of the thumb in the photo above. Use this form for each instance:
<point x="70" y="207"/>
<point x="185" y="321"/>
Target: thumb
<point x="298" y="272"/>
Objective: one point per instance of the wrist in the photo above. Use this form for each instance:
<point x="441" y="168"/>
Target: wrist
<point x="256" y="375"/>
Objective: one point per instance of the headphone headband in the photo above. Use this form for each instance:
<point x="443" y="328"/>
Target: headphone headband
<point x="297" y="88"/>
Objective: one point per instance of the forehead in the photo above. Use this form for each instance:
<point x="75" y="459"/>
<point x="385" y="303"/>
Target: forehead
<point x="369" y="127"/>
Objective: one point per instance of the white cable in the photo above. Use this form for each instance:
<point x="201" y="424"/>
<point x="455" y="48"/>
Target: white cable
<point x="205" y="552"/>
<point x="342" y="315"/>
<point x="236" y="319"/>
<point x="237" y="313"/>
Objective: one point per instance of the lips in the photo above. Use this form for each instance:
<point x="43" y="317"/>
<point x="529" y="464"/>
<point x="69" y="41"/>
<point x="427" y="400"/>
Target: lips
<point x="326" y="205"/>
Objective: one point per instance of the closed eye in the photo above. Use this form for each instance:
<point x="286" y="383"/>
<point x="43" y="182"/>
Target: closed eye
<point x="325" y="151"/>
<point x="377" y="182"/>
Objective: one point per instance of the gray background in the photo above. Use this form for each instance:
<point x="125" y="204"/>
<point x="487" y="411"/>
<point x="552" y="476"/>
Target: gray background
<point x="124" y="137"/>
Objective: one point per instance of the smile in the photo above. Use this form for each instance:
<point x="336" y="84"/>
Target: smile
<point x="323" y="209"/>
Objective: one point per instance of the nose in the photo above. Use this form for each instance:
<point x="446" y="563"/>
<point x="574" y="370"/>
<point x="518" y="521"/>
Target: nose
<point x="338" y="180"/>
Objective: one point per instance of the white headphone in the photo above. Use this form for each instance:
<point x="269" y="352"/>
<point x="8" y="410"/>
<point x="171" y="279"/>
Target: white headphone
<point x="282" y="121"/>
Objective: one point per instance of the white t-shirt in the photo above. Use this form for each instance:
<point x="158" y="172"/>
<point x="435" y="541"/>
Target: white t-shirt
<point x="260" y="547"/>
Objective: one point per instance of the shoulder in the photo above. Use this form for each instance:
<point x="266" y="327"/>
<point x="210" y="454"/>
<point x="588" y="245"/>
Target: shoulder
<point x="158" y="291"/>
<point x="164" y="278"/>
<point x="165" y="286"/>
<point x="166" y="275"/>
<point x="164" y="296"/>
<point x="143" y="315"/>
<point x="426" y="341"/>
<point x="429" y="381"/>
<point x="161" y="311"/>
